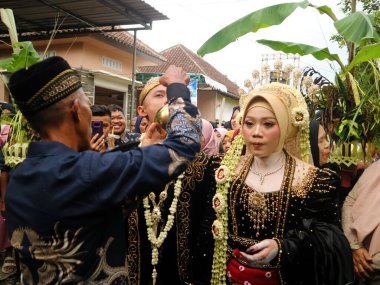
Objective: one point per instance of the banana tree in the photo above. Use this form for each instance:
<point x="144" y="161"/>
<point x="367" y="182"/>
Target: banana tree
<point x="357" y="28"/>
<point x="23" y="56"/>
<point x="359" y="32"/>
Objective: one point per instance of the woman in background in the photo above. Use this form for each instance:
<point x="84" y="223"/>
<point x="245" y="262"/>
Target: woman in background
<point x="319" y="144"/>
<point x="361" y="224"/>
<point x="226" y="141"/>
<point x="219" y="133"/>
<point x="209" y="142"/>
<point x="232" y="124"/>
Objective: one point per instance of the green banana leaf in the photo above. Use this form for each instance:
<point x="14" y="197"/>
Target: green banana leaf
<point x="301" y="49"/>
<point x="8" y="19"/>
<point x="325" y="10"/>
<point x="263" y="18"/>
<point x="366" y="53"/>
<point x="357" y="28"/>
<point x="25" y="56"/>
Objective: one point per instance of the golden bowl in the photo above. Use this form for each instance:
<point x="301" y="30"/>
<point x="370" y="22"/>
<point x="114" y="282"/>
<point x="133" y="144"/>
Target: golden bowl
<point x="162" y="116"/>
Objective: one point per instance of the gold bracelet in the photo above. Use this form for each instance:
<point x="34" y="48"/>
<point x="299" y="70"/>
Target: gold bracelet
<point x="279" y="245"/>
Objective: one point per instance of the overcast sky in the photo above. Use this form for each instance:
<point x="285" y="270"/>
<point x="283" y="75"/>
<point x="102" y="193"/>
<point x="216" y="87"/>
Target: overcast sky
<point x="192" y="22"/>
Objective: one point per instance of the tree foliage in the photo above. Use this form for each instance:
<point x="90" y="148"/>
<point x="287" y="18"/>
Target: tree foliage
<point x="356" y="91"/>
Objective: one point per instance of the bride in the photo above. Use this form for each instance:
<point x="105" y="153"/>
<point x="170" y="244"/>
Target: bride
<point x="277" y="217"/>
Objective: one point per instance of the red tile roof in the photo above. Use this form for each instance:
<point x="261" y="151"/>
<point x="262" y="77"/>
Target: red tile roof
<point x="123" y="38"/>
<point x="126" y="38"/>
<point x="179" y="55"/>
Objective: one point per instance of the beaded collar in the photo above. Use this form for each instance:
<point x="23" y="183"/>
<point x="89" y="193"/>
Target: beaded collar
<point x="257" y="203"/>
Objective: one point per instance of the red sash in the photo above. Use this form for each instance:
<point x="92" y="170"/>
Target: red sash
<point x="241" y="274"/>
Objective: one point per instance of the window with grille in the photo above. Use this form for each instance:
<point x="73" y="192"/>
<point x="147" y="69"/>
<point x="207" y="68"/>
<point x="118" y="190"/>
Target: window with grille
<point x="112" y="63"/>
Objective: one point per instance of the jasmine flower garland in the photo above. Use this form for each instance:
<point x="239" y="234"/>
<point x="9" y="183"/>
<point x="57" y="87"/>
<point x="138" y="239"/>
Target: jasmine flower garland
<point x="152" y="218"/>
<point x="224" y="175"/>
<point x="218" y="203"/>
<point x="300" y="118"/>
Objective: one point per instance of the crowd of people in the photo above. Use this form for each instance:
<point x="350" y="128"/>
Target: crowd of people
<point x="174" y="199"/>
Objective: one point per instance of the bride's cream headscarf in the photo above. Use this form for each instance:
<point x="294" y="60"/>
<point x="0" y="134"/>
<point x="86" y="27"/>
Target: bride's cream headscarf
<point x="289" y="107"/>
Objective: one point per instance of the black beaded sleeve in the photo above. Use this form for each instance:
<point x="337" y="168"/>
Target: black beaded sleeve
<point x="317" y="252"/>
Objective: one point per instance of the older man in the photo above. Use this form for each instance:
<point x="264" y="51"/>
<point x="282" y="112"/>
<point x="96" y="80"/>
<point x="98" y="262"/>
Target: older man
<point x="64" y="215"/>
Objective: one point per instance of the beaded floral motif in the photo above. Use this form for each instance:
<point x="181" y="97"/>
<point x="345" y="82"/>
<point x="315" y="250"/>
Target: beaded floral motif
<point x="260" y="210"/>
<point x="303" y="189"/>
<point x="194" y="174"/>
<point x="257" y="207"/>
<point x="133" y="256"/>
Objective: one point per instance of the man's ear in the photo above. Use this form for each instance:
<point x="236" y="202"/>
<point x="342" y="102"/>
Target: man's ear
<point x="141" y="111"/>
<point x="75" y="110"/>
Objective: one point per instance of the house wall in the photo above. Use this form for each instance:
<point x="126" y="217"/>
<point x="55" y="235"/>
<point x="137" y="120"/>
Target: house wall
<point x="87" y="52"/>
<point x="224" y="109"/>
<point x="206" y="104"/>
<point x="211" y="105"/>
<point x="70" y="49"/>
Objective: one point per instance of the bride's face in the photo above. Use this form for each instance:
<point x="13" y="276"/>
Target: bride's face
<point x="261" y="132"/>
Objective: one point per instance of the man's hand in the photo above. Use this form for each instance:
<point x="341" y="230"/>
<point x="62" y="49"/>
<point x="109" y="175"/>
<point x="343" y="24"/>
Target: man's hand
<point x="153" y="135"/>
<point x="362" y="263"/>
<point x="174" y="74"/>
<point x="263" y="252"/>
<point x="98" y="143"/>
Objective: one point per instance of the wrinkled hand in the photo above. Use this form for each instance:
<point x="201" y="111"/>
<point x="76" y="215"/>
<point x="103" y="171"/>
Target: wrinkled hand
<point x="263" y="253"/>
<point x="98" y="143"/>
<point x="362" y="263"/>
<point x="153" y="135"/>
<point x="174" y="74"/>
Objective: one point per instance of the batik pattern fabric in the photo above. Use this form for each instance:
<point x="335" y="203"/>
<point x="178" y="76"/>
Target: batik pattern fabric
<point x="64" y="208"/>
<point x="129" y="140"/>
<point x="302" y="216"/>
<point x="186" y="255"/>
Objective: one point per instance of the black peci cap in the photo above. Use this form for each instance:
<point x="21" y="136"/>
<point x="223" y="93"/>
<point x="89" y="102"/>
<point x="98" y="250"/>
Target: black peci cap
<point x="43" y="84"/>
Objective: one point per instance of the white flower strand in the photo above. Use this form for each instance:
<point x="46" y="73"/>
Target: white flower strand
<point x="152" y="217"/>
<point x="219" y="228"/>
